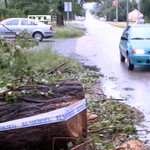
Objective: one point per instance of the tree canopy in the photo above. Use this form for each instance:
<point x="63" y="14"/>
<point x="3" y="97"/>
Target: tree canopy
<point x="48" y="7"/>
<point x="145" y="9"/>
<point x="106" y="9"/>
<point x="31" y="6"/>
<point x="56" y="7"/>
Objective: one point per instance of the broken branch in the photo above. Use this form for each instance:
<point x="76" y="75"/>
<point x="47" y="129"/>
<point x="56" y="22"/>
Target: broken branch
<point x="105" y="128"/>
<point x="57" y="67"/>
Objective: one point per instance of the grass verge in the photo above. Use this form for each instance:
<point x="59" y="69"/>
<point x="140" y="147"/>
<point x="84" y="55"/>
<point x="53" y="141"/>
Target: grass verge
<point x="119" y="24"/>
<point x="68" y="31"/>
<point x="45" y="60"/>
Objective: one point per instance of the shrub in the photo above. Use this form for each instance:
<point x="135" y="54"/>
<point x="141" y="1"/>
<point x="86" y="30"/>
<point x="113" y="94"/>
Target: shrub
<point x="9" y="13"/>
<point x="67" y="32"/>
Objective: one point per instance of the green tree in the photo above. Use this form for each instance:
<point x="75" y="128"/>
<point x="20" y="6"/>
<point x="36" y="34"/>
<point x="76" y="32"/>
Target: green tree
<point x="56" y="7"/>
<point x="145" y="9"/>
<point x="108" y="10"/>
<point x="8" y="13"/>
<point x="2" y="5"/>
<point x="34" y="7"/>
<point x="6" y="3"/>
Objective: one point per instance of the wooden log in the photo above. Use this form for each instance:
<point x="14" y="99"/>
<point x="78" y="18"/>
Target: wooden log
<point x="61" y="94"/>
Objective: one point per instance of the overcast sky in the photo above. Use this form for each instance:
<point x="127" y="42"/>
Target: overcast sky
<point x="89" y="5"/>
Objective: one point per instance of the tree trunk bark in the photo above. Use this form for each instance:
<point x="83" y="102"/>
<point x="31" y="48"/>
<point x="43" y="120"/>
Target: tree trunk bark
<point x="6" y="6"/>
<point x="63" y="94"/>
<point x="60" y="18"/>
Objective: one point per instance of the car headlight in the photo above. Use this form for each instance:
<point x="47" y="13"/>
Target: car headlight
<point x="138" y="51"/>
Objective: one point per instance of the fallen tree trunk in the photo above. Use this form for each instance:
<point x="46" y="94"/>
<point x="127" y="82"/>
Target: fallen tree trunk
<point x="47" y="98"/>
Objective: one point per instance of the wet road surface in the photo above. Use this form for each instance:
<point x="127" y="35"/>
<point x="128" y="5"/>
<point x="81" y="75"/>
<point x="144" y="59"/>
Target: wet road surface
<point x="101" y="46"/>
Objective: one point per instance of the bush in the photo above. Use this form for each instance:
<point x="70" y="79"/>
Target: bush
<point x="9" y="13"/>
<point x="67" y="32"/>
<point x="48" y="59"/>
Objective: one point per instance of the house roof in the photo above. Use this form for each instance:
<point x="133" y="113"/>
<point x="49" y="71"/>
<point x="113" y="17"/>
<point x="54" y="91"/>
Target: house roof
<point x="135" y="13"/>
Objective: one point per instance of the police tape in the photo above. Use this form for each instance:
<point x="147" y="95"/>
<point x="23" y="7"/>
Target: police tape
<point x="62" y="114"/>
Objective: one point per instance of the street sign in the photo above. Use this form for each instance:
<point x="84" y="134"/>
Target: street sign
<point x="42" y="18"/>
<point x="68" y="6"/>
<point x="114" y="3"/>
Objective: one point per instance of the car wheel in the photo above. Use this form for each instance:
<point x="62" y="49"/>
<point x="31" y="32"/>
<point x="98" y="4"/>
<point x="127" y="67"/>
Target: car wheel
<point x="122" y="58"/>
<point x="130" y="66"/>
<point x="38" y="36"/>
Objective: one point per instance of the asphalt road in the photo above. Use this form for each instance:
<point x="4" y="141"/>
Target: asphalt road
<point x="100" y="47"/>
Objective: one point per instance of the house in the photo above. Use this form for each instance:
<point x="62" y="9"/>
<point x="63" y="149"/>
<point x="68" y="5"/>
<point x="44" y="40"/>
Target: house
<point x="134" y="15"/>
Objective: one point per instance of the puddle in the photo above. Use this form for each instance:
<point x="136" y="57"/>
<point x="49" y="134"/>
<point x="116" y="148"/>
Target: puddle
<point x="128" y="89"/>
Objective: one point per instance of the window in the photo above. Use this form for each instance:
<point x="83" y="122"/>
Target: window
<point x="33" y="22"/>
<point x="12" y="22"/>
<point x="24" y="22"/>
<point x="28" y="22"/>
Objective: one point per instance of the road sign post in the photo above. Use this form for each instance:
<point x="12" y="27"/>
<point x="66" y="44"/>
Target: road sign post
<point x="67" y="8"/>
<point x="115" y="3"/>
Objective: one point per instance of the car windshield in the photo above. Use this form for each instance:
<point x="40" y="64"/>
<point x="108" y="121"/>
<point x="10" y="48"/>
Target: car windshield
<point x="141" y="32"/>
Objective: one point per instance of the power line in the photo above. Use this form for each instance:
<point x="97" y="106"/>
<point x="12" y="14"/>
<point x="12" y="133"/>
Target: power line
<point x="121" y="8"/>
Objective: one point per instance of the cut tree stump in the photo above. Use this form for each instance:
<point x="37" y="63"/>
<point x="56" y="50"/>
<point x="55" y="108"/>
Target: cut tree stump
<point x="62" y="94"/>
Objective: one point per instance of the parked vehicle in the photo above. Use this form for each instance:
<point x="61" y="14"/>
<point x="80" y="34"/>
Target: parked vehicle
<point x="102" y="19"/>
<point x="37" y="29"/>
<point x="79" y="18"/>
<point x="135" y="45"/>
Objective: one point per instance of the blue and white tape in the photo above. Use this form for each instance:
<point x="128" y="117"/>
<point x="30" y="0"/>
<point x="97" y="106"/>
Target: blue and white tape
<point x="58" y="115"/>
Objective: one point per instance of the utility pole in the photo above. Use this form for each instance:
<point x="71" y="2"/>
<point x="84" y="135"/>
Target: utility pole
<point x="127" y="12"/>
<point x="139" y="5"/>
<point x="138" y="9"/>
<point x="116" y="10"/>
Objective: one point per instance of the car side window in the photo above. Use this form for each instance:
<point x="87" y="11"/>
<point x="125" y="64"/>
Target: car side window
<point x="24" y="22"/>
<point x="28" y="22"/>
<point x="33" y="22"/>
<point x="12" y="22"/>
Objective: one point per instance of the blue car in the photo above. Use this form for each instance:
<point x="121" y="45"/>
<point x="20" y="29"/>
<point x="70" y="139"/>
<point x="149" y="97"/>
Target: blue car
<point x="135" y="45"/>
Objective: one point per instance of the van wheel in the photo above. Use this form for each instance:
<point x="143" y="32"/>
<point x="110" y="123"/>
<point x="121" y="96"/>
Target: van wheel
<point x="130" y="66"/>
<point x="38" y="36"/>
<point x="122" y="58"/>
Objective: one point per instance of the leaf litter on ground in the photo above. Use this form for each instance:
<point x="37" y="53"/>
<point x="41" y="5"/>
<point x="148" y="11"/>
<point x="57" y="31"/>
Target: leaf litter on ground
<point x="110" y="121"/>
